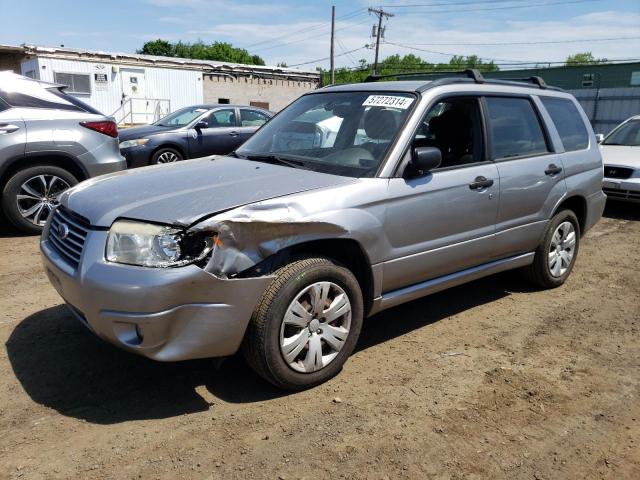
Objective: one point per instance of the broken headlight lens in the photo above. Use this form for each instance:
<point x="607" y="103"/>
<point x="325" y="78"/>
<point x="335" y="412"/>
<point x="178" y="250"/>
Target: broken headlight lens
<point x="150" y="245"/>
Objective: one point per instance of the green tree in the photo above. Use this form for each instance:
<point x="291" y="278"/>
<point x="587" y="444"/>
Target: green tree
<point x="158" y="47"/>
<point x="584" y="58"/>
<point x="220" y="51"/>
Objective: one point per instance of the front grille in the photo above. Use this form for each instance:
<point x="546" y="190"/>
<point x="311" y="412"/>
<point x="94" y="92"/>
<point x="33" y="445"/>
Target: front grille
<point x="67" y="234"/>
<point x="622" y="194"/>
<point x="617" y="172"/>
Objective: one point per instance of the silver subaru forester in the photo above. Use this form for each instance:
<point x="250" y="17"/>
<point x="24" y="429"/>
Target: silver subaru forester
<point x="352" y="200"/>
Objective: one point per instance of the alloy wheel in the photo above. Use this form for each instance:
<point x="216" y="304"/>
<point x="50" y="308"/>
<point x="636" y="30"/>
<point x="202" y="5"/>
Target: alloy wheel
<point x="315" y="327"/>
<point x="562" y="249"/>
<point x="38" y="196"/>
<point x="167" y="157"/>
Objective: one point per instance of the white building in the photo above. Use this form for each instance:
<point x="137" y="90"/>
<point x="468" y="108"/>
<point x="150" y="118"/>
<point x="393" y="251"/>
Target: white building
<point x="142" y="88"/>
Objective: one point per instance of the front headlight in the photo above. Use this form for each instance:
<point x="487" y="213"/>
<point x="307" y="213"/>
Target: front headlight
<point x="134" y="143"/>
<point x="150" y="245"/>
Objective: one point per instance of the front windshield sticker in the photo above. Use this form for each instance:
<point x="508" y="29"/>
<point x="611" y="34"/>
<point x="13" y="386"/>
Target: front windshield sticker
<point x="388" y="101"/>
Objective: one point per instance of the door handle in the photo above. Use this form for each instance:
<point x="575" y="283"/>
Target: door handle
<point x="234" y="134"/>
<point x="8" y="128"/>
<point x="552" y="169"/>
<point x="480" y="182"/>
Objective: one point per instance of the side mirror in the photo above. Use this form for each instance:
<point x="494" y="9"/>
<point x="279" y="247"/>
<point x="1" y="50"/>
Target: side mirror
<point x="599" y="137"/>
<point x="424" y="159"/>
<point x="200" y="125"/>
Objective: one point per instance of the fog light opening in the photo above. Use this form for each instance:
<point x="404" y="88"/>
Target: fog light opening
<point x="139" y="334"/>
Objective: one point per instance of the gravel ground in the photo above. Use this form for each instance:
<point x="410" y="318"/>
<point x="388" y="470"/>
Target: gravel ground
<point x="492" y="379"/>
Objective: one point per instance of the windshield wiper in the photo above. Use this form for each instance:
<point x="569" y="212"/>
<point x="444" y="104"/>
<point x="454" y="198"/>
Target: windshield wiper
<point x="275" y="159"/>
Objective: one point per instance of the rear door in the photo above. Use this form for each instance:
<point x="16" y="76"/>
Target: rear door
<point x="250" y="121"/>
<point x="531" y="173"/>
<point x="219" y="138"/>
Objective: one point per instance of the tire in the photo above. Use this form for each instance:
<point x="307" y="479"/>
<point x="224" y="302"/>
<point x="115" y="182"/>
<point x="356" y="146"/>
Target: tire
<point x="543" y="271"/>
<point x="28" y="184"/>
<point x="267" y="330"/>
<point x="166" y="155"/>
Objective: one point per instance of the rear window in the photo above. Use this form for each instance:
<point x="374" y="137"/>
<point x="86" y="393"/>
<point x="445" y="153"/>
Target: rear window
<point x="515" y="128"/>
<point x="568" y="122"/>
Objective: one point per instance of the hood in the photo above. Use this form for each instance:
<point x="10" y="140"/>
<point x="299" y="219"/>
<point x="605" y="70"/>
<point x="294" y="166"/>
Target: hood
<point x="141" y="132"/>
<point x="182" y="193"/>
<point x="620" y="155"/>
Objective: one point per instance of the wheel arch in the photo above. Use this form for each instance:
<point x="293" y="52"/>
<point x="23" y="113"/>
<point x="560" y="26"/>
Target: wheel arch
<point x="180" y="149"/>
<point x="56" y="159"/>
<point x="347" y="252"/>
<point x="578" y="205"/>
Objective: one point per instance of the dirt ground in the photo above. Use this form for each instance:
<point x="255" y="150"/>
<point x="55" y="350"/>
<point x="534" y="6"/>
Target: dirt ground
<point x="488" y="380"/>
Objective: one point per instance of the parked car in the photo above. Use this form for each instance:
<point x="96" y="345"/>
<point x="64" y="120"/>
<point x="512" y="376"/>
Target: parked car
<point x="621" y="156"/>
<point x="49" y="141"/>
<point x="283" y="248"/>
<point x="191" y="132"/>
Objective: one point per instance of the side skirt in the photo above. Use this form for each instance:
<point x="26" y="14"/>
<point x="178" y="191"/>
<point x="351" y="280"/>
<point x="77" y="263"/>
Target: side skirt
<point x="418" y="290"/>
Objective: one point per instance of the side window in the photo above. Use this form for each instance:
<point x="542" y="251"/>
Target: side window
<point x="3" y="105"/>
<point x="515" y="128"/>
<point x="252" y="118"/>
<point x="222" y="118"/>
<point x="454" y="126"/>
<point x="568" y="122"/>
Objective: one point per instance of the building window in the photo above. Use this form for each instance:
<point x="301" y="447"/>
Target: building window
<point x="264" y="105"/>
<point x="587" y="79"/>
<point x="76" y="82"/>
<point x="224" y="101"/>
<point x="30" y="73"/>
<point x="635" y="78"/>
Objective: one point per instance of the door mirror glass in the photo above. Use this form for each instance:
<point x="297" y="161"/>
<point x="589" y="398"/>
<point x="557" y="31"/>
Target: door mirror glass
<point x="201" y="124"/>
<point x="424" y="159"/>
<point x="599" y="137"/>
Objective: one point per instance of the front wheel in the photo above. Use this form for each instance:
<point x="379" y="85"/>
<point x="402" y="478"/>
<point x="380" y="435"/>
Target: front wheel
<point x="556" y="255"/>
<point x="306" y="324"/>
<point x="166" y="155"/>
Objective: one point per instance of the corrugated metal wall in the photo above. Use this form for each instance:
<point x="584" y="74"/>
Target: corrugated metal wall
<point x="181" y="87"/>
<point x="613" y="106"/>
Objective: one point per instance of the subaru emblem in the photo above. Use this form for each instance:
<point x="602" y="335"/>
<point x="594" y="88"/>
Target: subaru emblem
<point x="63" y="231"/>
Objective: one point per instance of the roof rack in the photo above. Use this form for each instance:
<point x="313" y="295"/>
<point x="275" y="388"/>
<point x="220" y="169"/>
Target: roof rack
<point x="471" y="73"/>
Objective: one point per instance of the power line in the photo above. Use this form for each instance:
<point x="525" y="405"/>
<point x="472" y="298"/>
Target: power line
<point x="447" y="54"/>
<point x="327" y="58"/>
<point x="303" y="39"/>
<point x="448" y="4"/>
<point x="549" y="42"/>
<point x="503" y="7"/>
<point x="346" y="16"/>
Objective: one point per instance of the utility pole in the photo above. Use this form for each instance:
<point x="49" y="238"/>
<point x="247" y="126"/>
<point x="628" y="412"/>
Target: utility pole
<point x="333" y="31"/>
<point x="380" y="13"/>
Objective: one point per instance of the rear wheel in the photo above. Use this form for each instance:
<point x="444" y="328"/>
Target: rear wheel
<point x="556" y="255"/>
<point x="31" y="194"/>
<point x="166" y="155"/>
<point x="306" y="324"/>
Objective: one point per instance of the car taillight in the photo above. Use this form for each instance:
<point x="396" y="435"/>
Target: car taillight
<point x="106" y="127"/>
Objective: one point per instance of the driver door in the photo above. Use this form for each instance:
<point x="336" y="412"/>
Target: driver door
<point x="220" y="137"/>
<point x="443" y="222"/>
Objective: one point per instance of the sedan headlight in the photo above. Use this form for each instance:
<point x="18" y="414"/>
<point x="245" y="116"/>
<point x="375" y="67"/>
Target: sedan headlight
<point x="134" y="143"/>
<point x="150" y="245"/>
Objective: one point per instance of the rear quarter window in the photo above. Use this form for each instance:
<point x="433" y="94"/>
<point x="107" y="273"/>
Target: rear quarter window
<point x="515" y="128"/>
<point x="568" y="123"/>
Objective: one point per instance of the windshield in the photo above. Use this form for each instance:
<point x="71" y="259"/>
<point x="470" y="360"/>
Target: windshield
<point x="182" y="117"/>
<point x="626" y="134"/>
<point x="346" y="133"/>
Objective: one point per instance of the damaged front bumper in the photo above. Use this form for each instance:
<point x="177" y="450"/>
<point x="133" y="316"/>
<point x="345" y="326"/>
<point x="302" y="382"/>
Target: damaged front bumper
<point x="164" y="314"/>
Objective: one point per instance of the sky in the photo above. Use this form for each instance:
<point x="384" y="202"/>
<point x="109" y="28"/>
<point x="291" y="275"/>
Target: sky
<point x="297" y="32"/>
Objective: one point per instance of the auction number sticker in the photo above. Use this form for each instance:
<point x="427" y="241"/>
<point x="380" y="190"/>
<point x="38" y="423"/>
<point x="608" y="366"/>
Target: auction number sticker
<point x="388" y="101"/>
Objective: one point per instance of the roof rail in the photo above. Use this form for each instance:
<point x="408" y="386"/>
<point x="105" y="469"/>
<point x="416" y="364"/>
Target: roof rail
<point x="535" y="80"/>
<point x="471" y="73"/>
